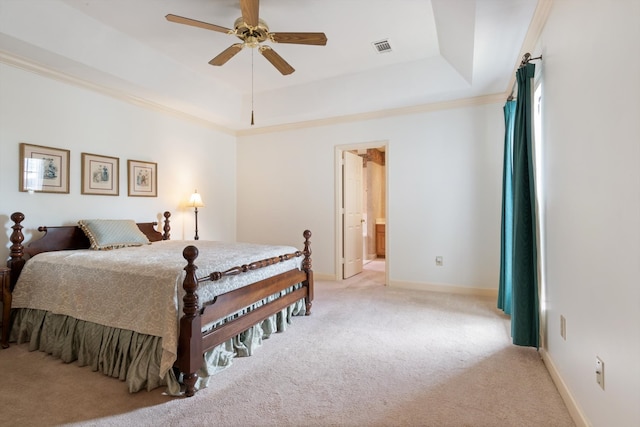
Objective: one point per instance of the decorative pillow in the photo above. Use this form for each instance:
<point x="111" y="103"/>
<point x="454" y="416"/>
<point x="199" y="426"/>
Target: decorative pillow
<point x="112" y="233"/>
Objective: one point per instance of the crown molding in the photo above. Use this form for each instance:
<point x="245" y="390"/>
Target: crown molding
<point x="380" y="114"/>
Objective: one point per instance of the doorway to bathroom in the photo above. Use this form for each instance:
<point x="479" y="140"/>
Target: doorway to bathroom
<point x="361" y="214"/>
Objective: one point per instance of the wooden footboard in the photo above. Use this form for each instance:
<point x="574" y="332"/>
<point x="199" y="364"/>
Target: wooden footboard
<point x="193" y="343"/>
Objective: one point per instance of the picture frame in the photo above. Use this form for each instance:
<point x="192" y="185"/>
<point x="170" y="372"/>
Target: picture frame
<point x="142" y="178"/>
<point x="43" y="169"/>
<point x="100" y="175"/>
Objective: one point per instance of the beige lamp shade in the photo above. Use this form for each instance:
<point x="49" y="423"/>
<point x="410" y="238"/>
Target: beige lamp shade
<point x="195" y="201"/>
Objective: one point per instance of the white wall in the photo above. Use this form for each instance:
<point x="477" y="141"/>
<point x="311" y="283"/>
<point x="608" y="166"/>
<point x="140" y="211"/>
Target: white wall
<point x="42" y="111"/>
<point x="591" y="104"/>
<point x="444" y="172"/>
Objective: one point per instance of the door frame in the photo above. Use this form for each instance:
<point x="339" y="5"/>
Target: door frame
<point x="339" y="238"/>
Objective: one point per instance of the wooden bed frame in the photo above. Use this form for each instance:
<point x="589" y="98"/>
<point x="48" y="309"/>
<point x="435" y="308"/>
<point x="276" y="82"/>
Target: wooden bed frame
<point x="192" y="343"/>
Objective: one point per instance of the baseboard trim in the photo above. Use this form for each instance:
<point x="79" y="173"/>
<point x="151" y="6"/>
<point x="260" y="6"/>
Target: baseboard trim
<point x="432" y="287"/>
<point x="451" y="289"/>
<point x="326" y="277"/>
<point x="574" y="409"/>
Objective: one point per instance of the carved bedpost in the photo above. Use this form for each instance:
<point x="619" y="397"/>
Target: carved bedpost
<point x="306" y="266"/>
<point x="167" y="228"/>
<point x="16" y="262"/>
<point x="189" y="343"/>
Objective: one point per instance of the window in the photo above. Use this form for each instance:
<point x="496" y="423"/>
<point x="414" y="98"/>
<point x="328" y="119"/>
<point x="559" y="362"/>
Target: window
<point x="538" y="148"/>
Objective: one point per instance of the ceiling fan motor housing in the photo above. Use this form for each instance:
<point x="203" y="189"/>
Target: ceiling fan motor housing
<point x="251" y="36"/>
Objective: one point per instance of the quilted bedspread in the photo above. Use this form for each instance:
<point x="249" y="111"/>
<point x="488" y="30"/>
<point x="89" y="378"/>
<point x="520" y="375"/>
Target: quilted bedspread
<point x="137" y="288"/>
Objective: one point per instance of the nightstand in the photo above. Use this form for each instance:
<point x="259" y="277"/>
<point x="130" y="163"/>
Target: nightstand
<point x="5" y="297"/>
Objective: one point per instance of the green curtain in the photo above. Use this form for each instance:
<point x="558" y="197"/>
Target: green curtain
<point x="523" y="301"/>
<point x="506" y="238"/>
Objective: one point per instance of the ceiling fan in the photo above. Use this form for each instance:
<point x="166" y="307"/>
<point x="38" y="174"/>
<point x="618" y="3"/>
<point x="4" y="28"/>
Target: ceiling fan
<point x="253" y="31"/>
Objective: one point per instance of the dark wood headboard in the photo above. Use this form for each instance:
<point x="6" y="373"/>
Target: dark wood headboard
<point x="62" y="238"/>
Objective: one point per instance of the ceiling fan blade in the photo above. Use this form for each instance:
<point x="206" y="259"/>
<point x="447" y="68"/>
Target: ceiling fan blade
<point x="276" y="60"/>
<point x="250" y="11"/>
<point x="319" y="39"/>
<point x="199" y="24"/>
<point x="227" y="54"/>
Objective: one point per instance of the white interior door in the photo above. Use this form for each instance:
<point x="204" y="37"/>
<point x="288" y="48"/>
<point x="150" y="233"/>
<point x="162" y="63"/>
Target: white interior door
<point x="352" y="208"/>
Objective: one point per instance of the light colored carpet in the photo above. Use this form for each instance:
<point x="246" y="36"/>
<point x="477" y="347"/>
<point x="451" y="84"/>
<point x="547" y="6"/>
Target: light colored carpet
<point x="369" y="355"/>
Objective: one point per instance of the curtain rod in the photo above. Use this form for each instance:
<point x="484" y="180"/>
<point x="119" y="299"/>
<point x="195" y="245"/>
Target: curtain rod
<point x="526" y="58"/>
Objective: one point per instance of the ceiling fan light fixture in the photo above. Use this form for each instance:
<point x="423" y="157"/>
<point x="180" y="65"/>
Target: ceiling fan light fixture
<point x="251" y="42"/>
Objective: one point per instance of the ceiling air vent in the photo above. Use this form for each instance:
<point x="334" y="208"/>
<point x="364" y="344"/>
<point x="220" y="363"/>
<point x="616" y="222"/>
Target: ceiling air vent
<point x="382" y="46"/>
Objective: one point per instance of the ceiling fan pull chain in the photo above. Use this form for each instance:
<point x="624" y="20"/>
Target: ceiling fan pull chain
<point x="252" y="87"/>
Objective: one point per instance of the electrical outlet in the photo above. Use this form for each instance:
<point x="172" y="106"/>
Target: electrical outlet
<point x="563" y="327"/>
<point x="439" y="261"/>
<point x="600" y="372"/>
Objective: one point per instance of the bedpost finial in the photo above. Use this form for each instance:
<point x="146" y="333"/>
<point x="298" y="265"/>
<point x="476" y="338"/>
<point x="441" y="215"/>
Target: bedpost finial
<point x="306" y="263"/>
<point x="16" y="261"/>
<point x="17" y="217"/>
<point x="190" y="253"/>
<point x="167" y="228"/>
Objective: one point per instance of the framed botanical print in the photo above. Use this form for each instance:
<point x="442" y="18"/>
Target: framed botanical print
<point x="43" y="169"/>
<point x="142" y="178"/>
<point x="100" y="175"/>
